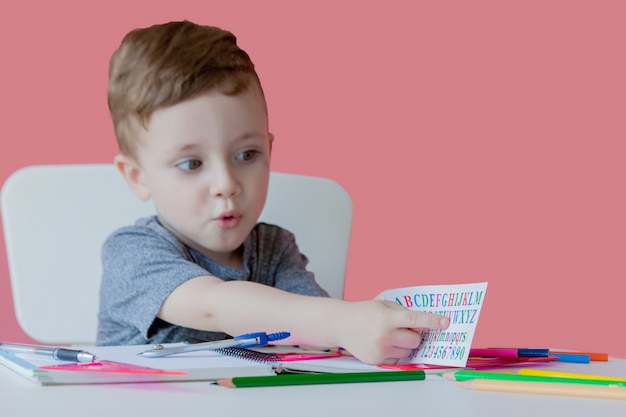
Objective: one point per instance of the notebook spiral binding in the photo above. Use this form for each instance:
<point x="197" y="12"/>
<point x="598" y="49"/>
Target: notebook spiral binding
<point x="252" y="355"/>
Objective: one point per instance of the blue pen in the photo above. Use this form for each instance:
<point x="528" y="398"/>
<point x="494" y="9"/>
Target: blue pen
<point x="243" y="341"/>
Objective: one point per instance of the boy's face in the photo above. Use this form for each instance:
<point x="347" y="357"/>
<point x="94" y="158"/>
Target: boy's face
<point x="205" y="162"/>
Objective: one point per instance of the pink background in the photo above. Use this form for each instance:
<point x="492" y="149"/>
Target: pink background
<point x="480" y="140"/>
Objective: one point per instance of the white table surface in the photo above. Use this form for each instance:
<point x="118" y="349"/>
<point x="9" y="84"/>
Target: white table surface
<point x="432" y="397"/>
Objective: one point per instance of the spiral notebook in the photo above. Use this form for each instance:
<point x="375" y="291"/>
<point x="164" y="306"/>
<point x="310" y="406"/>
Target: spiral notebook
<point x="294" y="359"/>
<point x="123" y="364"/>
<point x="280" y="354"/>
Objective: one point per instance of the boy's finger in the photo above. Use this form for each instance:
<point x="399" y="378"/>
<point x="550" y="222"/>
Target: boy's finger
<point x="420" y="320"/>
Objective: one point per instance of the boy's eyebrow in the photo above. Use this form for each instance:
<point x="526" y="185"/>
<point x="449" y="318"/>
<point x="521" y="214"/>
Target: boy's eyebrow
<point x="187" y="147"/>
<point x="176" y="151"/>
<point x="251" y="135"/>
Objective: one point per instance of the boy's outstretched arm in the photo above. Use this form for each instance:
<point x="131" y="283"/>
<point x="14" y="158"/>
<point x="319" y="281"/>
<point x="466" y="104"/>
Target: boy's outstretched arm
<point x="374" y="331"/>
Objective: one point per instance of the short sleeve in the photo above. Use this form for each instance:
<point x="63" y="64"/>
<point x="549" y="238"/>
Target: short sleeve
<point x="141" y="268"/>
<point x="277" y="261"/>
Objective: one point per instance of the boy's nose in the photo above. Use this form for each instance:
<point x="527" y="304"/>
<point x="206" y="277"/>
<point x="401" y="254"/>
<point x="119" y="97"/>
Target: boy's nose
<point x="224" y="183"/>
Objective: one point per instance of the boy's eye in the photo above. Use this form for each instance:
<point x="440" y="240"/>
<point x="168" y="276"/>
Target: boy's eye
<point x="246" y="155"/>
<point x="190" y="165"/>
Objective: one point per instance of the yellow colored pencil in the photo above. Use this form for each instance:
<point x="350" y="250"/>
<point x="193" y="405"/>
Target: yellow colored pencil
<point x="554" y="374"/>
<point x="546" y="388"/>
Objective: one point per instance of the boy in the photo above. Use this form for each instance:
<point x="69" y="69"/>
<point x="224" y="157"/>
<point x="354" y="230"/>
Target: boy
<point x="191" y="123"/>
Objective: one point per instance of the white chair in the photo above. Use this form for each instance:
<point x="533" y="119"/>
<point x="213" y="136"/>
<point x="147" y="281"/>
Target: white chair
<point x="56" y="218"/>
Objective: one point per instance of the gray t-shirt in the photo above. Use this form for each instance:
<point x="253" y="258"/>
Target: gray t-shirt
<point x="144" y="263"/>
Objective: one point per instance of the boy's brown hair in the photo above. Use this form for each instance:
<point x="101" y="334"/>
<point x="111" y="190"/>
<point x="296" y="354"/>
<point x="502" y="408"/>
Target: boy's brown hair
<point x="166" y="64"/>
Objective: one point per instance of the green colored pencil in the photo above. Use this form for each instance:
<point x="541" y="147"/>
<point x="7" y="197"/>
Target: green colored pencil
<point x="309" y="379"/>
<point x="471" y="375"/>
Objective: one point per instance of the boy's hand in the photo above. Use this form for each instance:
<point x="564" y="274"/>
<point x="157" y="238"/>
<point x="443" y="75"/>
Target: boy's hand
<point x="383" y="332"/>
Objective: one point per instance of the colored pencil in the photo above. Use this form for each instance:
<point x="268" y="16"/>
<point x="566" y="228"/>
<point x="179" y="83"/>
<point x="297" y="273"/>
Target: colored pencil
<point x="502" y="376"/>
<point x="554" y="374"/>
<point x="571" y="357"/>
<point x="509" y="353"/>
<point x="309" y="379"/>
<point x="593" y="356"/>
<point x="544" y="388"/>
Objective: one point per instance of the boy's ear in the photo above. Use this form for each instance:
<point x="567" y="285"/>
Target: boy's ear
<point x="133" y="175"/>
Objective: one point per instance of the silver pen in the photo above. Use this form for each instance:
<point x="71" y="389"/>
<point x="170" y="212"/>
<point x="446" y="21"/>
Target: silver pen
<point x="158" y="350"/>
<point x="60" y="354"/>
<point x="243" y="341"/>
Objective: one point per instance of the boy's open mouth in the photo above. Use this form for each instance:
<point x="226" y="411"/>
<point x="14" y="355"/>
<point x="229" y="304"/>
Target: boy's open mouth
<point x="228" y="221"/>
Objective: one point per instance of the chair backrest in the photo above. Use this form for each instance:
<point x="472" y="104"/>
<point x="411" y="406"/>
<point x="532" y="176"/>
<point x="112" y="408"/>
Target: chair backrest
<point x="56" y="217"/>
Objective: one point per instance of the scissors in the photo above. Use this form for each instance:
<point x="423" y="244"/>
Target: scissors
<point x="243" y="341"/>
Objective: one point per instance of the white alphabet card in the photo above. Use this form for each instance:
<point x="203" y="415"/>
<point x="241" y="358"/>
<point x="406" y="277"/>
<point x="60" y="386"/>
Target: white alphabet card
<point x="461" y="303"/>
